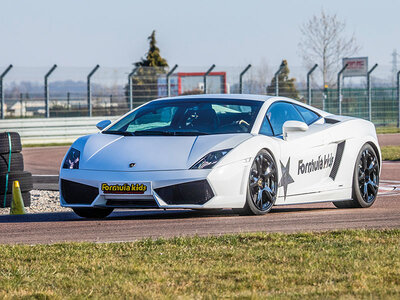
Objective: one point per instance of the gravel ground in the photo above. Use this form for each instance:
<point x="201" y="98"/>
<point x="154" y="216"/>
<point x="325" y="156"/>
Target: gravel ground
<point x="41" y="201"/>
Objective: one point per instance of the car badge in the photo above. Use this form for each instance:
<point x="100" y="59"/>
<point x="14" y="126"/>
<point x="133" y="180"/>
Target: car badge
<point x="131" y="165"/>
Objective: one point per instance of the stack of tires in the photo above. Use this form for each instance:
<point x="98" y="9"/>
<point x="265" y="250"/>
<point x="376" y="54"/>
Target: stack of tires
<point x="12" y="168"/>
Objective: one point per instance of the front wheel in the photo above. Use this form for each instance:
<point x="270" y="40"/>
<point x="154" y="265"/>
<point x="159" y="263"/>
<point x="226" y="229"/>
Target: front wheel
<point x="92" y="213"/>
<point x="262" y="185"/>
<point x="365" y="180"/>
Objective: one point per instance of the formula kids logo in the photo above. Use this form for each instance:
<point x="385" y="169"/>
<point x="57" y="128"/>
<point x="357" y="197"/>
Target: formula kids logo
<point x="322" y="162"/>
<point x="134" y="188"/>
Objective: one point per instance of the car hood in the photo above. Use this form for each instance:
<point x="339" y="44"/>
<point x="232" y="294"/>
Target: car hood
<point x="151" y="153"/>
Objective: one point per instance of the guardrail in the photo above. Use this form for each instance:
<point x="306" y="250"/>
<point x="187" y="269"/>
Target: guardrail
<point x="52" y="130"/>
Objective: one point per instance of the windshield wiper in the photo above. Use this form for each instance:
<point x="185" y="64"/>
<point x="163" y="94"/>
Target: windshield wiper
<point x="169" y="133"/>
<point x="190" y="133"/>
<point x="124" y="133"/>
<point x="156" y="132"/>
<point x="153" y="132"/>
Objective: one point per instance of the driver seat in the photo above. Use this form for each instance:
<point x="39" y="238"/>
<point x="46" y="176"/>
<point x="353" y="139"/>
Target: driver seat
<point x="206" y="118"/>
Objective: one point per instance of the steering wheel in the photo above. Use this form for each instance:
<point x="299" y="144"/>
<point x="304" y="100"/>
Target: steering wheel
<point x="189" y="118"/>
<point x="243" y="124"/>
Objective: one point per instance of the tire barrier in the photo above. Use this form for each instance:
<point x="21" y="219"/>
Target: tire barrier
<point x="16" y="146"/>
<point x="24" y="178"/>
<point x="16" y="165"/>
<point x="26" y="197"/>
<point x="12" y="169"/>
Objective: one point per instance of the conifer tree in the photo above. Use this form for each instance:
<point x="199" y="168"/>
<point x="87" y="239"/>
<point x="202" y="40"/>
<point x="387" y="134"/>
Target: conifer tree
<point x="150" y="67"/>
<point x="153" y="57"/>
<point x="287" y="86"/>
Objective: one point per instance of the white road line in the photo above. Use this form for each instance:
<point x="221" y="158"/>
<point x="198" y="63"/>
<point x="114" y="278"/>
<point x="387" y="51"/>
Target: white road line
<point x="390" y="181"/>
<point x="388" y="194"/>
<point x="387" y="188"/>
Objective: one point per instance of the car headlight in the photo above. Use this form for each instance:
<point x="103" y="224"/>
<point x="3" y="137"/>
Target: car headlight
<point x="210" y="160"/>
<point x="72" y="159"/>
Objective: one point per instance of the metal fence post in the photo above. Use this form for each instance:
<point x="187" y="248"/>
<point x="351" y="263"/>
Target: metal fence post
<point x="46" y="90"/>
<point x="1" y="90"/>
<point x="21" y="98"/>
<point x="241" y="78"/>
<point x="68" y="99"/>
<point x="369" y="92"/>
<point x="339" y="88"/>
<point x="398" y="98"/>
<point x="277" y="80"/>
<point x="168" y="80"/>
<point x="131" y="88"/>
<point x="205" y="78"/>
<point x="89" y="90"/>
<point x="308" y="83"/>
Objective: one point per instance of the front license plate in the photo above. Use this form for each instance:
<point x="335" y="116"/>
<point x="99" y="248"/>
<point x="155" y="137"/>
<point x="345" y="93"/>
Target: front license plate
<point x="125" y="188"/>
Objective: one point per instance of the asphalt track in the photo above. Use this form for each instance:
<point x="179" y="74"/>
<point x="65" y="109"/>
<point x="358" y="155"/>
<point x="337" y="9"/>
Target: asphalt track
<point x="129" y="225"/>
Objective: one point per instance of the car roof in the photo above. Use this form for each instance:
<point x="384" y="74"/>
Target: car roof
<point x="248" y="97"/>
<point x="222" y="96"/>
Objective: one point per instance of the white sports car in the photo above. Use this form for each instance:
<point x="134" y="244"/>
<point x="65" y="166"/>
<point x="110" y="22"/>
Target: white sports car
<point x="245" y="152"/>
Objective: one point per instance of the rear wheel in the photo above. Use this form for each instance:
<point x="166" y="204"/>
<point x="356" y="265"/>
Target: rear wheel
<point x="365" y="180"/>
<point x="262" y="185"/>
<point x="92" y="213"/>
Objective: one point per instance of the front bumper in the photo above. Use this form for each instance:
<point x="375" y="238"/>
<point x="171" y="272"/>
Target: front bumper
<point x="221" y="187"/>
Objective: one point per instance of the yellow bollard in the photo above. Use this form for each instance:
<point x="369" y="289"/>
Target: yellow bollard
<point x="17" y="203"/>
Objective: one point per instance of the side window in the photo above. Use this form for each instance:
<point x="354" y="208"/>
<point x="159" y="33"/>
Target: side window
<point x="308" y="115"/>
<point x="279" y="113"/>
<point x="266" y="128"/>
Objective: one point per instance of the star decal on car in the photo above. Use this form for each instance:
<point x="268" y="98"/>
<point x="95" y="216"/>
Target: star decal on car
<point x="286" y="179"/>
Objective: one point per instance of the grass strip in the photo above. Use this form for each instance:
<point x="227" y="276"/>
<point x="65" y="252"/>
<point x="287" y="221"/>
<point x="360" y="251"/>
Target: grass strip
<point x="390" y="152"/>
<point x="46" y="145"/>
<point x="341" y="264"/>
<point x="382" y="130"/>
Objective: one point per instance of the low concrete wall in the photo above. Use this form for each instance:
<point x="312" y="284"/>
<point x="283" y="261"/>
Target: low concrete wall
<point x="52" y="130"/>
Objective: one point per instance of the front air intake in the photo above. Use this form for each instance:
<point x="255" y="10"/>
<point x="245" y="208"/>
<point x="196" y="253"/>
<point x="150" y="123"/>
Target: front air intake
<point x="77" y="193"/>
<point x="195" y="192"/>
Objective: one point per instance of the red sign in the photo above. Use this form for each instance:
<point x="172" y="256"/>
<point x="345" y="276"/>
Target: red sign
<point x="356" y="66"/>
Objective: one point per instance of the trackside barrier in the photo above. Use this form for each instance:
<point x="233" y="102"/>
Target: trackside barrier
<point x="52" y="130"/>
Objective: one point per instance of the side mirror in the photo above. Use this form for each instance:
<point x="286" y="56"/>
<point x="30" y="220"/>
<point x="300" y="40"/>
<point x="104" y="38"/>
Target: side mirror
<point x="291" y="127"/>
<point x="103" y="124"/>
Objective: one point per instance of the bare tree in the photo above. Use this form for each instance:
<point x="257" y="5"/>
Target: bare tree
<point x="258" y="78"/>
<point x="324" y="42"/>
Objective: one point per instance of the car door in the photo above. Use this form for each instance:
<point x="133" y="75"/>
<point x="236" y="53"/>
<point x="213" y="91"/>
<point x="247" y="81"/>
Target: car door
<point x="306" y="158"/>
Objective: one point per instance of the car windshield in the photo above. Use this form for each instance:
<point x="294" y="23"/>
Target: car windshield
<point x="189" y="117"/>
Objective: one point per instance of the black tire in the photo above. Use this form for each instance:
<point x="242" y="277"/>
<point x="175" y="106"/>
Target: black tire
<point x="262" y="185"/>
<point x="92" y="213"/>
<point x="15" y="142"/>
<point x="26" y="197"/>
<point x="365" y="180"/>
<point x="17" y="162"/>
<point x="24" y="178"/>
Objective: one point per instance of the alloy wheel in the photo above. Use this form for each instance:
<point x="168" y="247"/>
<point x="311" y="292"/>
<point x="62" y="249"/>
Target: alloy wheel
<point x="263" y="182"/>
<point x="368" y="176"/>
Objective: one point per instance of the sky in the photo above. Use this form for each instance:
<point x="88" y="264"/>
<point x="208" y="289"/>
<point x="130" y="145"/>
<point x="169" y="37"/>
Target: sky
<point x="81" y="33"/>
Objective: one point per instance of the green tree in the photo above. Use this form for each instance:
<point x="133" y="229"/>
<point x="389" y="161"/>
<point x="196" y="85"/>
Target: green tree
<point x="153" y="57"/>
<point x="287" y="86"/>
<point x="150" y="67"/>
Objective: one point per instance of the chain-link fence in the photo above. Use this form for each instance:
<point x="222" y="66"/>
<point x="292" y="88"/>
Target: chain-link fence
<point x="114" y="91"/>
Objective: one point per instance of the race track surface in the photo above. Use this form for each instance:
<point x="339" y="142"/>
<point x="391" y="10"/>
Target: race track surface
<point x="129" y="225"/>
<point x="132" y="225"/>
